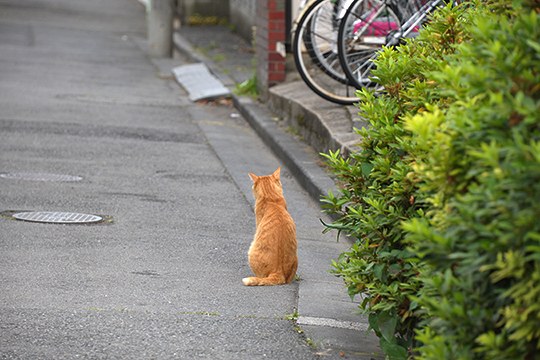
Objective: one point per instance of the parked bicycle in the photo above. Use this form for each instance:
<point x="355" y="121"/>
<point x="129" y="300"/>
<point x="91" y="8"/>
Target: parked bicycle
<point x="335" y="41"/>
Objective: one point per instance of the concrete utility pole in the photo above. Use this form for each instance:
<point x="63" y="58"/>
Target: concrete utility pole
<point x="160" y="14"/>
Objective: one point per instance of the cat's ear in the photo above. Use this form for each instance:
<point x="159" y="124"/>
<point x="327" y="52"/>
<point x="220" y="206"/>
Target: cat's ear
<point x="253" y="177"/>
<point x="276" y="173"/>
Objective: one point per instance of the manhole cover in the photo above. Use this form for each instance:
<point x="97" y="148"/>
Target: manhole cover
<point x="40" y="177"/>
<point x="57" y="217"/>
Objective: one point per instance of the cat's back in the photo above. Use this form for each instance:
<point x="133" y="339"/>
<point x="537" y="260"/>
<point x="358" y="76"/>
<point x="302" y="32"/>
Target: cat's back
<point x="277" y="215"/>
<point x="276" y="225"/>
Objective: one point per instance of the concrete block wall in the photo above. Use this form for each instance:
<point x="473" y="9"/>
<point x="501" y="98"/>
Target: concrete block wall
<point x="242" y="15"/>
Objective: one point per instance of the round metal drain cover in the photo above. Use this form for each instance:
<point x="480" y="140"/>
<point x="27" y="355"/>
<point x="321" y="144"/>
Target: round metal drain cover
<point x="40" y="177"/>
<point x="57" y="217"/>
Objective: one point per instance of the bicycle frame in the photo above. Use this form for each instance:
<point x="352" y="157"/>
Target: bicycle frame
<point x="382" y="28"/>
<point x="369" y="25"/>
<point x="413" y="23"/>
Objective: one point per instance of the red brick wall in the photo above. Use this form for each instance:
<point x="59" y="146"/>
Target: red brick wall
<point x="270" y="31"/>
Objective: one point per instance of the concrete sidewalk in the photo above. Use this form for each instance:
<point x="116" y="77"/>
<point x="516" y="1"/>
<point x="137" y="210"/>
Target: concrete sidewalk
<point x="325" y="126"/>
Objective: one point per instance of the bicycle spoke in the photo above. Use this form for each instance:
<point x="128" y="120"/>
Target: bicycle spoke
<point x="362" y="33"/>
<point x="319" y="64"/>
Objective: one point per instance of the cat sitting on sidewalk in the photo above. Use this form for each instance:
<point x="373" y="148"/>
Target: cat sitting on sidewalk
<point x="272" y="254"/>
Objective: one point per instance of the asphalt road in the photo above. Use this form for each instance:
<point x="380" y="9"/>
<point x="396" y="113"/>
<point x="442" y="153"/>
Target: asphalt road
<point x="162" y="277"/>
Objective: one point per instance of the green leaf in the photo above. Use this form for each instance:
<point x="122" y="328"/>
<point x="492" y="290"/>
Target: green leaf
<point x="373" y="322"/>
<point x="366" y="168"/>
<point x="386" y="323"/>
<point x="378" y="271"/>
<point x="393" y="351"/>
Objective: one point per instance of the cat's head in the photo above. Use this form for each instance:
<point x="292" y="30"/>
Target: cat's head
<point x="268" y="186"/>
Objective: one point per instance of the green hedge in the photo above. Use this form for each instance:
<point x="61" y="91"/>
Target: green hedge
<point x="444" y="196"/>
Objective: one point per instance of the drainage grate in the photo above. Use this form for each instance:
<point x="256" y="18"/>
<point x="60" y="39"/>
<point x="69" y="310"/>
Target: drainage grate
<point x="57" y="217"/>
<point x="40" y="177"/>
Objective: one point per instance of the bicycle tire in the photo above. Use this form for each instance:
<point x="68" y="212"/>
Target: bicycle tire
<point x="362" y="33"/>
<point x="320" y="39"/>
<point x="310" y="71"/>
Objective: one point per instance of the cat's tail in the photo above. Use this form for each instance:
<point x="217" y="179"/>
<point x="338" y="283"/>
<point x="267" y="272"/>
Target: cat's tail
<point x="272" y="279"/>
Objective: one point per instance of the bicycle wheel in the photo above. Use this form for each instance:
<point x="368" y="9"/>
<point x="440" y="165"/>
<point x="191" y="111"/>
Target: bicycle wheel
<point x="314" y="49"/>
<point x="320" y="41"/>
<point x="362" y="32"/>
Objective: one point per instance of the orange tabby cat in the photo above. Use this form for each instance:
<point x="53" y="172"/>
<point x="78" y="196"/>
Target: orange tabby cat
<point x="272" y="254"/>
